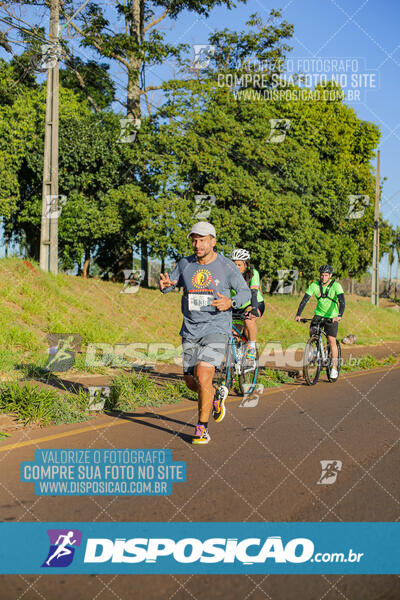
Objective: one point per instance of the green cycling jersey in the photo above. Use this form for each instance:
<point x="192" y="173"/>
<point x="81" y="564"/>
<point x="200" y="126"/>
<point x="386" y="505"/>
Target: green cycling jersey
<point x="254" y="284"/>
<point x="326" y="307"/>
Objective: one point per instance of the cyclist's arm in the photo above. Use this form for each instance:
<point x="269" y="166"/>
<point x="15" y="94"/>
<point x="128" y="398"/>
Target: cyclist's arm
<point x="254" y="301"/>
<point x="342" y="304"/>
<point x="302" y="304"/>
<point x="312" y="288"/>
<point x="254" y="287"/>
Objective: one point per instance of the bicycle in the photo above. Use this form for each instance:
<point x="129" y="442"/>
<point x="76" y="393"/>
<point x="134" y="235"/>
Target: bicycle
<point x="234" y="363"/>
<point x="317" y="354"/>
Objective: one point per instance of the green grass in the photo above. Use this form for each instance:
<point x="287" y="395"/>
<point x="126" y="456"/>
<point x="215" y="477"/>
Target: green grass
<point x="34" y="404"/>
<point x="271" y="378"/>
<point x="41" y="406"/>
<point x="35" y="304"/>
<point x="368" y="362"/>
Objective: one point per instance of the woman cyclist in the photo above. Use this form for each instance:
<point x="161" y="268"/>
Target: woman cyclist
<point x="254" y="309"/>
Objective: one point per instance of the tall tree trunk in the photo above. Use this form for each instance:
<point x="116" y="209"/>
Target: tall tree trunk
<point x="32" y="241"/>
<point x="135" y="25"/>
<point x="125" y="261"/>
<point x="135" y="28"/>
<point x="397" y="276"/>
<point x="86" y="264"/>
<point x="145" y="263"/>
<point x="163" y="264"/>
<point x="389" y="279"/>
<point x="352" y="286"/>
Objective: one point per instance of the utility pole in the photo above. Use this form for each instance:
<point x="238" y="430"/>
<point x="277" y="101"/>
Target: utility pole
<point x="375" y="256"/>
<point x="50" y="209"/>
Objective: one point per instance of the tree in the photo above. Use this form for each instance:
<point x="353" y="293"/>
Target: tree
<point x="397" y="249"/>
<point x="89" y="80"/>
<point x="17" y="139"/>
<point x="287" y="202"/>
<point x="391" y="255"/>
<point x="92" y="164"/>
<point x="138" y="47"/>
<point x="282" y="170"/>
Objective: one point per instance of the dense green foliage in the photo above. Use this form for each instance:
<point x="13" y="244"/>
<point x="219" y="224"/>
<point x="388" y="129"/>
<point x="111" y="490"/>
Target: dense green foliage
<point x="287" y="201"/>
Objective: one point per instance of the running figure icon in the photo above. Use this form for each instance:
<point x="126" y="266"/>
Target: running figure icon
<point x="62" y="549"/>
<point x="330" y="470"/>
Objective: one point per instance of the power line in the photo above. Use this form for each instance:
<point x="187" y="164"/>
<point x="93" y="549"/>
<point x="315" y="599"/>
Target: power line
<point x="26" y="31"/>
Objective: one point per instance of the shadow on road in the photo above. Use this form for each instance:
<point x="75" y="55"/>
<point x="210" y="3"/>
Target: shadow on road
<point x="135" y="418"/>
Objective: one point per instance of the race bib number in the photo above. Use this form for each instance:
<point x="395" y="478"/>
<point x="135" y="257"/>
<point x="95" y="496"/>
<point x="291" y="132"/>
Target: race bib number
<point x="197" y="301"/>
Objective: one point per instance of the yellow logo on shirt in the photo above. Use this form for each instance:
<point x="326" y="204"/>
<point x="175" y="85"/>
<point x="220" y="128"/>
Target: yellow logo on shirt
<point x="202" y="278"/>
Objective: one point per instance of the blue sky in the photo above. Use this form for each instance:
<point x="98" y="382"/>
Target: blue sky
<point x="365" y="32"/>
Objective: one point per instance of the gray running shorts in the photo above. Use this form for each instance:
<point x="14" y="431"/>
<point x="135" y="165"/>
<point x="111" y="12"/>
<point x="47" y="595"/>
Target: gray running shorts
<point x="210" y="349"/>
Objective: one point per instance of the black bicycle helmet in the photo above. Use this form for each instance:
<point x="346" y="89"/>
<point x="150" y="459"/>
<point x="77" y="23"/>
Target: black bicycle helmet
<point x="326" y="269"/>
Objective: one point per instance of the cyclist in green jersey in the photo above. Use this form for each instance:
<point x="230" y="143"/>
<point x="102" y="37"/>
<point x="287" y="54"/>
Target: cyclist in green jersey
<point x="256" y="307"/>
<point x="331" y="304"/>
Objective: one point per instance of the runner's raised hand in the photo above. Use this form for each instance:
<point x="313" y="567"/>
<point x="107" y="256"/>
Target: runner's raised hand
<point x="165" y="281"/>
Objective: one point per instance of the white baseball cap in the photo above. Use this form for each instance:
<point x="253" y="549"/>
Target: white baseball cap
<point x="203" y="228"/>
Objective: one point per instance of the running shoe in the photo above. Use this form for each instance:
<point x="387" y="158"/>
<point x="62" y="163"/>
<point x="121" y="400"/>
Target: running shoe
<point x="218" y="410"/>
<point x="201" y="435"/>
<point x="250" y="354"/>
<point x="333" y="374"/>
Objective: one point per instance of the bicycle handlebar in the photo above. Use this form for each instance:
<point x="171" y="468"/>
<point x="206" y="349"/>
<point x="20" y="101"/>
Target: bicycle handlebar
<point x="327" y="319"/>
<point x="238" y="315"/>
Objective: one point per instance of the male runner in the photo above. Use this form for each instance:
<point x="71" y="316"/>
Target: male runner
<point x="207" y="279"/>
<point x="330" y="294"/>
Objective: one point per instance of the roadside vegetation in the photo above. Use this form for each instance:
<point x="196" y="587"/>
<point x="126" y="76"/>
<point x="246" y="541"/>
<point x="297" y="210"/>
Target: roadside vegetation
<point x="35" y="404"/>
<point x="35" y="304"/>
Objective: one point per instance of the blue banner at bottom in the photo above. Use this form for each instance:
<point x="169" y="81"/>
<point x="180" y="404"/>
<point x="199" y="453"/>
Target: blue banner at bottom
<point x="214" y="548"/>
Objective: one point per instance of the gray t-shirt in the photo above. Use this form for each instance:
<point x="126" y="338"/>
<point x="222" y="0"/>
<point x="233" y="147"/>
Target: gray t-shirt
<point x="200" y="286"/>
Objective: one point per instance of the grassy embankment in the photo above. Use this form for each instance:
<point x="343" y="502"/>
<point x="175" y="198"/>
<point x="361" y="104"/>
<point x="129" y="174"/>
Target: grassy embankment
<point x="33" y="305"/>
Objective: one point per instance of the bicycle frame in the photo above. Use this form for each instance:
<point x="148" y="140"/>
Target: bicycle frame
<point x="234" y="365"/>
<point x="321" y="334"/>
<point x="232" y="348"/>
<point x="235" y="354"/>
<point x="321" y="345"/>
<point x="236" y="331"/>
<point x="321" y="354"/>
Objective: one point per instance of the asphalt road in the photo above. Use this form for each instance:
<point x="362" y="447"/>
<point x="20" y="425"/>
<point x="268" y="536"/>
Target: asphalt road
<point x="262" y="464"/>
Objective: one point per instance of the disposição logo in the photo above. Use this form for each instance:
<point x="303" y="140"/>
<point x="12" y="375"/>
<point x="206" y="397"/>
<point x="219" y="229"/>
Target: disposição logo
<point x="190" y="550"/>
<point x="62" y="547"/>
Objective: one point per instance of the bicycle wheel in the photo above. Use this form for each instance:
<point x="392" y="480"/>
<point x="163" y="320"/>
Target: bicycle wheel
<point x="329" y="363"/>
<point x="311" y="361"/>
<point x="248" y="373"/>
<point x="223" y="374"/>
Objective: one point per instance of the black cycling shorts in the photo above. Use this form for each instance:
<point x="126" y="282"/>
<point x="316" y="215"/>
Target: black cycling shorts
<point x="260" y="308"/>
<point x="329" y="328"/>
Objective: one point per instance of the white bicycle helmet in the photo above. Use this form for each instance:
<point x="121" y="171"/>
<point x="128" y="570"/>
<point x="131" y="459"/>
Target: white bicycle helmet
<point x="240" y="254"/>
